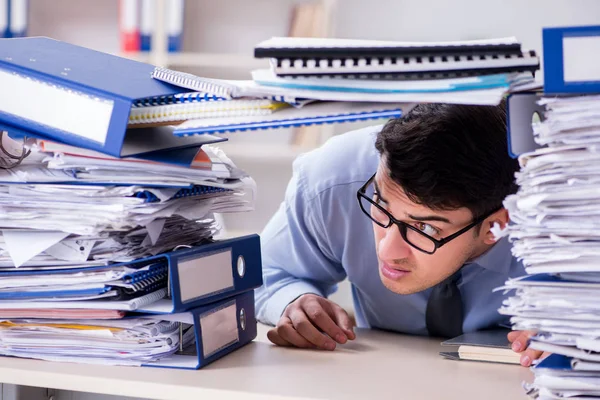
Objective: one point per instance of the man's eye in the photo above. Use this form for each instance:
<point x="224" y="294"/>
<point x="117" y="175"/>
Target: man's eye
<point x="427" y="229"/>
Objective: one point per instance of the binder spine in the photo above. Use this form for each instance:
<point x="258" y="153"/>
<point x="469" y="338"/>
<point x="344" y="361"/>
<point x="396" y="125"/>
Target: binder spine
<point x="192" y="82"/>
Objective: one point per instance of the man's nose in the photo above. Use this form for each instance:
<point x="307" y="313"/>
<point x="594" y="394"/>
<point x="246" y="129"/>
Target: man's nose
<point x="392" y="246"/>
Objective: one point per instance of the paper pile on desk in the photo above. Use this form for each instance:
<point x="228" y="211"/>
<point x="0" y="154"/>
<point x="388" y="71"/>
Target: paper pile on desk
<point x="337" y="80"/>
<point x="132" y="341"/>
<point x="66" y="210"/>
<point x="556" y="233"/>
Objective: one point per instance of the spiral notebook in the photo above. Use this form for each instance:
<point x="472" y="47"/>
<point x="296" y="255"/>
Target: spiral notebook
<point x="364" y="58"/>
<point x="179" y="112"/>
<point x="313" y="114"/>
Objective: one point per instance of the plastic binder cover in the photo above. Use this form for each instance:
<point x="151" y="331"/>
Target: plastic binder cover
<point x="196" y="276"/>
<point x="81" y="97"/>
<point x="219" y="328"/>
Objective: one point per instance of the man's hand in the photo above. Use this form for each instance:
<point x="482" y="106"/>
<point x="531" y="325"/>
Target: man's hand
<point x="520" y="342"/>
<point x="314" y="322"/>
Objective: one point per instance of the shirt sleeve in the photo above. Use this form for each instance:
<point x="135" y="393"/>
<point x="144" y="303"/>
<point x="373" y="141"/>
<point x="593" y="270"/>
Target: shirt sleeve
<point x="296" y="252"/>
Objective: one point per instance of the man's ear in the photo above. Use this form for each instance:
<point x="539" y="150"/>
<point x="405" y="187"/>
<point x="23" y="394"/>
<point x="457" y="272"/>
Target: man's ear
<point x="501" y="218"/>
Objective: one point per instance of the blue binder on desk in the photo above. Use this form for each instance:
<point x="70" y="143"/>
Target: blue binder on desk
<point x="193" y="339"/>
<point x="208" y="273"/>
<point x="571" y="59"/>
<point x="195" y="276"/>
<point x="81" y="97"/>
<point x="219" y="329"/>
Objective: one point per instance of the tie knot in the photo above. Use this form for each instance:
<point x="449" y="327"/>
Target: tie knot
<point x="452" y="279"/>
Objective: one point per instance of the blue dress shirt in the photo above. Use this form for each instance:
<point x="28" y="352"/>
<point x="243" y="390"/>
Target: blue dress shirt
<point x="319" y="236"/>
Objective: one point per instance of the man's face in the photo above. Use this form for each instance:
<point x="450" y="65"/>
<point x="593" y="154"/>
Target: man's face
<point x="404" y="269"/>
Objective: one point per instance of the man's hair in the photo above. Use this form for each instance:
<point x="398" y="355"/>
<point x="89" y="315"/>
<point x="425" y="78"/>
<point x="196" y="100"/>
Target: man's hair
<point x="447" y="156"/>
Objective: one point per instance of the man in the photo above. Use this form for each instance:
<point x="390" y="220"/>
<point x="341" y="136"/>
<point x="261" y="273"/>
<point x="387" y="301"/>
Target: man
<point x="405" y="212"/>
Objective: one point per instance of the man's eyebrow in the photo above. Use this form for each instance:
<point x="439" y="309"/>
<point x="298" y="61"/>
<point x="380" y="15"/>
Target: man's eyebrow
<point x="429" y="218"/>
<point x="378" y="191"/>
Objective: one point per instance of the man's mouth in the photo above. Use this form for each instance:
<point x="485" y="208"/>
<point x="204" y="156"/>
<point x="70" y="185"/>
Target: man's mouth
<point x="393" y="272"/>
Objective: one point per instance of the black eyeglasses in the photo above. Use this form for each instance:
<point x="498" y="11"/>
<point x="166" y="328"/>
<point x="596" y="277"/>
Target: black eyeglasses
<point x="411" y="235"/>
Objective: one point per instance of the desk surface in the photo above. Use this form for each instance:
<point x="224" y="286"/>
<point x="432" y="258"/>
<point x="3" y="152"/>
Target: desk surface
<point x="376" y="365"/>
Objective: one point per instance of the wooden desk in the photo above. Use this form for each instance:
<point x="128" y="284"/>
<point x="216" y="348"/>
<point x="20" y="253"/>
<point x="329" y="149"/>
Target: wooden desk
<point x="377" y="365"/>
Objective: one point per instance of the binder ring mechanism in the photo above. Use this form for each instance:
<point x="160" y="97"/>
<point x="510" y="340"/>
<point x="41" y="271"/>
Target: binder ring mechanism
<point x="7" y="159"/>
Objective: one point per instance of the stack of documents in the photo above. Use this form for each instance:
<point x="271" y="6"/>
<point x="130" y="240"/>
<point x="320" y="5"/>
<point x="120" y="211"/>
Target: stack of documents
<point x="107" y="220"/>
<point x="339" y="80"/>
<point x="556" y="234"/>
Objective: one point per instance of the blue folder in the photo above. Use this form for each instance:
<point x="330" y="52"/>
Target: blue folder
<point x="206" y="333"/>
<point x="570" y="59"/>
<point x="81" y="97"/>
<point x="219" y="328"/>
<point x="196" y="276"/>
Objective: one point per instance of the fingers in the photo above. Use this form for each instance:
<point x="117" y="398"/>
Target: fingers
<point x="512" y="335"/>
<point x="285" y="335"/>
<point x="343" y="320"/>
<point x="528" y="356"/>
<point x="312" y="321"/>
<point x="521" y="340"/>
<point x="305" y="326"/>
<point x="520" y="343"/>
<point x="322" y="315"/>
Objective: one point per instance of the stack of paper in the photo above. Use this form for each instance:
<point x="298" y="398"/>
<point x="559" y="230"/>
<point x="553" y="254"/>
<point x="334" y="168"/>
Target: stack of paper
<point x="132" y="341"/>
<point x="556" y="234"/>
<point x="338" y="80"/>
<point x="106" y="218"/>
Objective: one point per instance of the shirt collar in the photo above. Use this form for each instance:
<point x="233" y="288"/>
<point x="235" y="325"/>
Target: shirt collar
<point x="498" y="258"/>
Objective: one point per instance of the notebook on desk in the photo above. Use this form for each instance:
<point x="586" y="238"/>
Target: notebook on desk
<point x="486" y="345"/>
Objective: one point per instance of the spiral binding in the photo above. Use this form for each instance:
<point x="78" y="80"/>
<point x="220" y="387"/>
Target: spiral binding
<point x="198" y="190"/>
<point x="194" y="110"/>
<point x="150" y="284"/>
<point x="193" y="97"/>
<point x="138" y="276"/>
<point x="397" y="65"/>
<point x="193" y="82"/>
<point x="199" y="129"/>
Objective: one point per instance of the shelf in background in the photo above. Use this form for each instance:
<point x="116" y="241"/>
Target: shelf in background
<point x="191" y="59"/>
<point x="261" y="151"/>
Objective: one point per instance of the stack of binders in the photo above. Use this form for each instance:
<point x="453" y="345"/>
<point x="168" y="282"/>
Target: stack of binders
<point x="107" y="229"/>
<point x="556" y="224"/>
<point x="339" y="80"/>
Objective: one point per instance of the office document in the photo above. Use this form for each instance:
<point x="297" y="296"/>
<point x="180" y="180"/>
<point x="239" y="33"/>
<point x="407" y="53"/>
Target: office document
<point x="554" y="231"/>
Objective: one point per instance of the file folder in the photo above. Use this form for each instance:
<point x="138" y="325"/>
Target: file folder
<point x="219" y="328"/>
<point x="571" y="59"/>
<point x="196" y="276"/>
<point x="81" y="97"/>
<point x="191" y="339"/>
